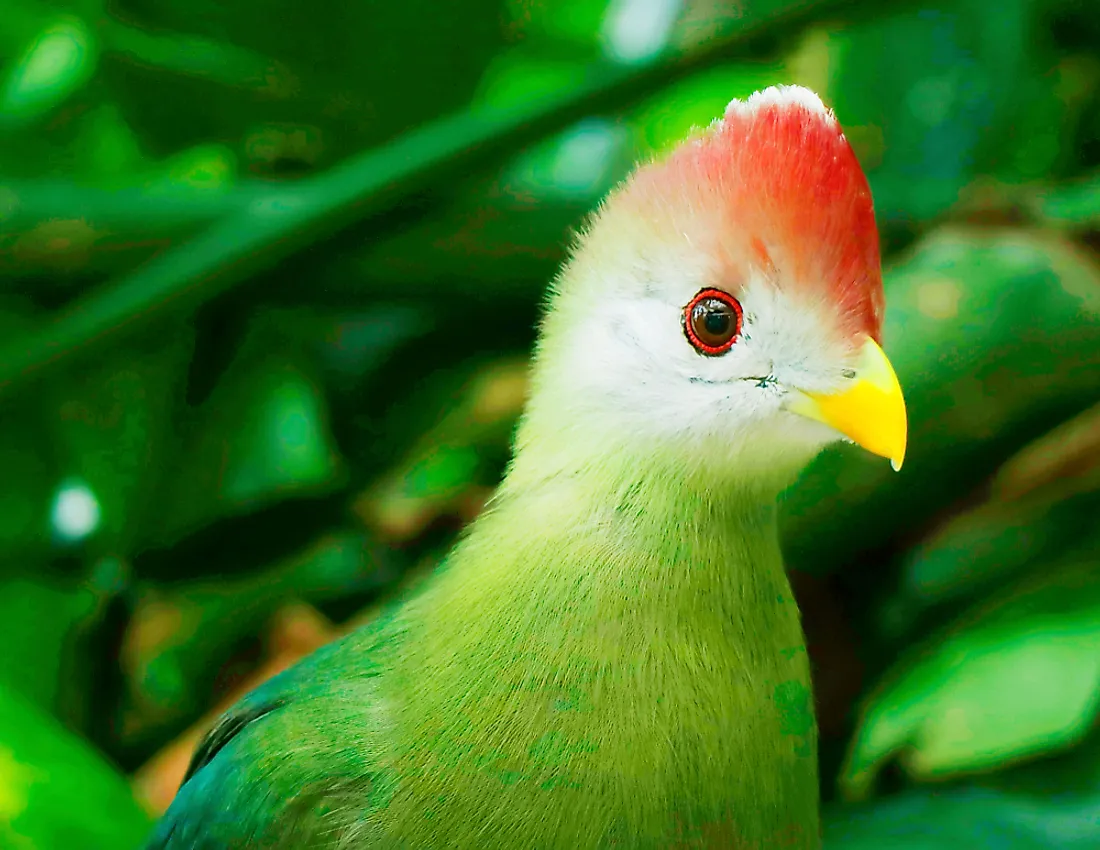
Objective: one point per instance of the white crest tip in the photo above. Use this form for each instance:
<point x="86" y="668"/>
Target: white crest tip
<point x="784" y="95"/>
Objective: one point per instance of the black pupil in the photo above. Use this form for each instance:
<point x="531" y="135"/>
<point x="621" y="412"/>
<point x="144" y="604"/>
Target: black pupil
<point x="717" y="321"/>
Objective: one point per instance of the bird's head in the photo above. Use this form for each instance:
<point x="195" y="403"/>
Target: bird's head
<point x="726" y="302"/>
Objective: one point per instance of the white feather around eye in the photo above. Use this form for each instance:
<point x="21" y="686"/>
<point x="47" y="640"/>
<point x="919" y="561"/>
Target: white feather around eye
<point x="624" y="367"/>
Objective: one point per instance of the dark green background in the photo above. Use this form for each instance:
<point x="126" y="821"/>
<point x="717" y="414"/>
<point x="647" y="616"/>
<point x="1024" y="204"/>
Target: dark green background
<point x="269" y="271"/>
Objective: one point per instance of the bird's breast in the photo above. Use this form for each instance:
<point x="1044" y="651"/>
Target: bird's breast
<point x="619" y="741"/>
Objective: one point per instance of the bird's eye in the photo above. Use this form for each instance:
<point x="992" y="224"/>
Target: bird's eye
<point x="712" y="321"/>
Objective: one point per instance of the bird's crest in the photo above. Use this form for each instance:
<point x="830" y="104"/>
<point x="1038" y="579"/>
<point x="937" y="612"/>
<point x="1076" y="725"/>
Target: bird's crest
<point x="786" y="186"/>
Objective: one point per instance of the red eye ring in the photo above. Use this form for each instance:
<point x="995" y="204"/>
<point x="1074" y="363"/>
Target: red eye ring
<point x="712" y="321"/>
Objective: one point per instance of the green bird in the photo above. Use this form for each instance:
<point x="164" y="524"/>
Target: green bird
<point x="611" y="655"/>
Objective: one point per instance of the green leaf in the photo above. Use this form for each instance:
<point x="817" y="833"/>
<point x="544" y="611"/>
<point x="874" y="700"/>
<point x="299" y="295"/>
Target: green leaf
<point x="203" y="168"/>
<point x="286" y="445"/>
<point x="262" y="436"/>
<point x="1042" y="805"/>
<point x="59" y="61"/>
<point x="454" y="457"/>
<point x="180" y="638"/>
<point x="112" y="151"/>
<point x="38" y="622"/>
<point x="56" y="792"/>
<point x="963" y="819"/>
<point x="1040" y="504"/>
<point x="1045" y="805"/>
<point x="1075" y="205"/>
<point x="1018" y="677"/>
<point x="937" y="94"/>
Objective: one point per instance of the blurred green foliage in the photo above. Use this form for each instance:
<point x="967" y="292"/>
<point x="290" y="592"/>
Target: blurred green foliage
<point x="268" y="281"/>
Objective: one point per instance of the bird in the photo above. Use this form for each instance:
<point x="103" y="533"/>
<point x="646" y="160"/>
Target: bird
<point x="611" y="655"/>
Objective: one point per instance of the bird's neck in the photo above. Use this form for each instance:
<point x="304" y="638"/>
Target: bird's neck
<point x="627" y="545"/>
<point x="626" y="637"/>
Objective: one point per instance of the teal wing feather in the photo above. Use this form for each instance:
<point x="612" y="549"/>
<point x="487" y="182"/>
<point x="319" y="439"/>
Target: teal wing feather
<point x="289" y="765"/>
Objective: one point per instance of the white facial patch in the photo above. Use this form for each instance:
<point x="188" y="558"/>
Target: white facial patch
<point x="631" y="366"/>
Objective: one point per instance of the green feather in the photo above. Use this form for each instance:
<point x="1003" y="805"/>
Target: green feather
<point x="612" y="658"/>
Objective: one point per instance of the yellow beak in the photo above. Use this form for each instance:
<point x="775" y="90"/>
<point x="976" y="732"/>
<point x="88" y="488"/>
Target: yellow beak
<point x="870" y="412"/>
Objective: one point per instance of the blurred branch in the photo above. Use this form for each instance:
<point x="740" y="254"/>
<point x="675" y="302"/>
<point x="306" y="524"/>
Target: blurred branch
<point x="364" y="188"/>
<point x="199" y="57"/>
<point x="26" y="203"/>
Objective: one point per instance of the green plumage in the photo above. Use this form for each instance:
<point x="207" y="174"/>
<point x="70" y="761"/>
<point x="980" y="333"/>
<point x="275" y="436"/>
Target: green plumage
<point x="584" y="673"/>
